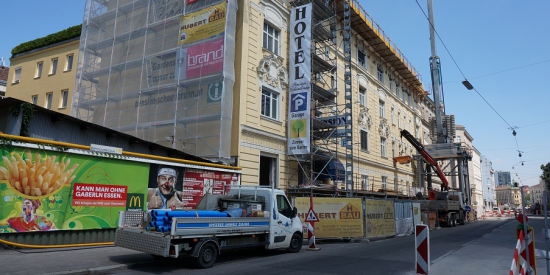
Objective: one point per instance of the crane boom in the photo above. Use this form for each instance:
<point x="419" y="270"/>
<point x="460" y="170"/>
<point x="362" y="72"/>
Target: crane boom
<point x="416" y="144"/>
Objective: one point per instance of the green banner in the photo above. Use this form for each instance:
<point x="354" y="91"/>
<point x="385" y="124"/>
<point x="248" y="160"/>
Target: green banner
<point x="42" y="190"/>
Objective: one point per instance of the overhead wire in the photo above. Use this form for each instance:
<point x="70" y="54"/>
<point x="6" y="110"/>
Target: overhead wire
<point x="465" y="78"/>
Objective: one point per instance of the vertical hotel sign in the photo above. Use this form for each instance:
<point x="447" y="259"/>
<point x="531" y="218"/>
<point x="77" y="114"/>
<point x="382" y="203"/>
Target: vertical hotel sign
<point x="300" y="80"/>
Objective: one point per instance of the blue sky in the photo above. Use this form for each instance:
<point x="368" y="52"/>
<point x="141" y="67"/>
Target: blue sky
<point x="500" y="46"/>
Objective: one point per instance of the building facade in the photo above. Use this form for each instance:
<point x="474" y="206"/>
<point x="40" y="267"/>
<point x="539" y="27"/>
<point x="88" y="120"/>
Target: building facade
<point x="508" y="196"/>
<point x="503" y="178"/>
<point x="171" y="73"/>
<point x="45" y="76"/>
<point x="488" y="182"/>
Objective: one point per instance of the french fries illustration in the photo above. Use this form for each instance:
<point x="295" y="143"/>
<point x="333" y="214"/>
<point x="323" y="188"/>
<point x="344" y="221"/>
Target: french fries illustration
<point x="39" y="177"/>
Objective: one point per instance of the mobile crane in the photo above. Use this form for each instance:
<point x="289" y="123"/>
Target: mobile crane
<point x="447" y="204"/>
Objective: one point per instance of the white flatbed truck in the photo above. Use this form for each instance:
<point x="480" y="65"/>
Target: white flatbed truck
<point x="261" y="217"/>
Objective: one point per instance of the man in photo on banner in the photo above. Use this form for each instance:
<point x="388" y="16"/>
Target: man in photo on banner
<point x="29" y="219"/>
<point x="165" y="195"/>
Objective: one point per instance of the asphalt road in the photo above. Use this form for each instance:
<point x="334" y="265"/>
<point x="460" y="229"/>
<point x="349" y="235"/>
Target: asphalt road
<point x="481" y="247"/>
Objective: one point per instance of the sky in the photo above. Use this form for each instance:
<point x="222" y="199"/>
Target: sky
<point x="500" y="46"/>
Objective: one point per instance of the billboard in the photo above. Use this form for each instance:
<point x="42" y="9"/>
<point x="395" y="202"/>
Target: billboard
<point x="338" y="217"/>
<point x="202" y="24"/>
<point x="380" y="218"/>
<point x="44" y="190"/>
<point x="300" y="78"/>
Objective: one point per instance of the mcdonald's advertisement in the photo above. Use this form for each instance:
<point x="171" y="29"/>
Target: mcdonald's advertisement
<point x="338" y="217"/>
<point x="380" y="218"/>
<point x="43" y="190"/>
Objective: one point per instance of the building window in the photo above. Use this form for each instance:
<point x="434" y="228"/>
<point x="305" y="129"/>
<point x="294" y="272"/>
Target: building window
<point x="404" y="95"/>
<point x="384" y="182"/>
<point x="53" y="69"/>
<point x="69" y="64"/>
<point x="364" y="140"/>
<point x="395" y="184"/>
<point x="271" y="39"/>
<point x="34" y="99"/>
<point x="49" y="98"/>
<point x="417" y="132"/>
<point x="381" y="107"/>
<point x="17" y="75"/>
<point x="392" y="116"/>
<point x="270" y="104"/>
<point x="365" y="182"/>
<point x="393" y="149"/>
<point x="399" y="120"/>
<point x="39" y="66"/>
<point x="63" y="99"/>
<point x="362" y="96"/>
<point x="361" y="59"/>
<point x="380" y="73"/>
<point x="383" y="146"/>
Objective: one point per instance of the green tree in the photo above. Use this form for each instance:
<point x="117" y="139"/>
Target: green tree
<point x="298" y="126"/>
<point x="545" y="174"/>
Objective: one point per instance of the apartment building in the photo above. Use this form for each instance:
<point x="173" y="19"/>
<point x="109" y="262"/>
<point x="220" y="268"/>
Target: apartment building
<point x="45" y="74"/>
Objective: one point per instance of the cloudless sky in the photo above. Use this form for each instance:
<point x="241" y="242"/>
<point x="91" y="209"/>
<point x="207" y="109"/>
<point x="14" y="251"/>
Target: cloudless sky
<point x="501" y="47"/>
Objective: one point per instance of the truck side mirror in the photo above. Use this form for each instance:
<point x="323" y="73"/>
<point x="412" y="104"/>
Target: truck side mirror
<point x="294" y="212"/>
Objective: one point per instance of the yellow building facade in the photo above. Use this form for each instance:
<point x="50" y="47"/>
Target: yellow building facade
<point x="45" y="76"/>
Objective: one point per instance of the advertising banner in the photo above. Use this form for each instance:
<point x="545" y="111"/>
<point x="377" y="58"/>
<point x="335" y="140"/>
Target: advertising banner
<point x="202" y="24"/>
<point x="380" y="218"/>
<point x="200" y="182"/>
<point x="338" y="217"/>
<point x="44" y="190"/>
<point x="204" y="59"/>
<point x="300" y="78"/>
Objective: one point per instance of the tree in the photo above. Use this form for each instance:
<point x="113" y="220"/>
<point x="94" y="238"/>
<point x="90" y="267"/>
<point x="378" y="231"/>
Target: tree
<point x="298" y="126"/>
<point x="545" y="174"/>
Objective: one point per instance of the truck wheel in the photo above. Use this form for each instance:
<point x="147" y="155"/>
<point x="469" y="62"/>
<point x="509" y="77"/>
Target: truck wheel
<point x="453" y="220"/>
<point x="295" y="243"/>
<point x="207" y="256"/>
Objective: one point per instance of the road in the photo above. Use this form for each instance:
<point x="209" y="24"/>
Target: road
<point x="481" y="247"/>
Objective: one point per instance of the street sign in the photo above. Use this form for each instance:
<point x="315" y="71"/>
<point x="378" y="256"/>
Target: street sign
<point x="311" y="216"/>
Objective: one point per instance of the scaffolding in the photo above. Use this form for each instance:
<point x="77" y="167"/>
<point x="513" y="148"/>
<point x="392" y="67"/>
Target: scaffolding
<point x="334" y="116"/>
<point x="160" y="70"/>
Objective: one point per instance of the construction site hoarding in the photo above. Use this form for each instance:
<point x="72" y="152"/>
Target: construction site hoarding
<point x="300" y="80"/>
<point x="380" y="218"/>
<point x="338" y="217"/>
<point x="160" y="70"/>
<point x="48" y="189"/>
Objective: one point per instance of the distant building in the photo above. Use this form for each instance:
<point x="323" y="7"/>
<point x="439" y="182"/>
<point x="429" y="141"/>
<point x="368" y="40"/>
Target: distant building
<point x="488" y="181"/>
<point x="537" y="193"/>
<point x="503" y="178"/>
<point x="508" y="195"/>
<point x="3" y="78"/>
<point x="45" y="75"/>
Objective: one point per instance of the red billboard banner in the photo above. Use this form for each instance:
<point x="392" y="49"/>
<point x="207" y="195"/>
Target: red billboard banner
<point x="85" y="194"/>
<point x="205" y="59"/>
<point x="196" y="183"/>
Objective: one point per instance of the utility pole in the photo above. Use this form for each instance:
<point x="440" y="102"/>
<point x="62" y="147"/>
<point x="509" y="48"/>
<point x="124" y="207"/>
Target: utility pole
<point x="435" y="67"/>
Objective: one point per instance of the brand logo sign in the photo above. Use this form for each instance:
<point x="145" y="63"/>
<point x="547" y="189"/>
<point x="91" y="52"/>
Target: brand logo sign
<point x="202" y="24"/>
<point x="135" y="201"/>
<point x="205" y="59"/>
